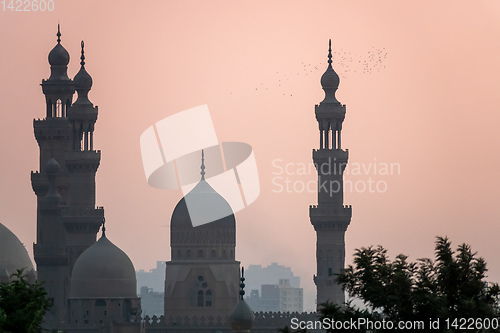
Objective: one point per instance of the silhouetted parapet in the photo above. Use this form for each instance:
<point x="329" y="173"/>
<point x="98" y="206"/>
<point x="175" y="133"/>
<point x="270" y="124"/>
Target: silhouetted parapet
<point x="267" y="321"/>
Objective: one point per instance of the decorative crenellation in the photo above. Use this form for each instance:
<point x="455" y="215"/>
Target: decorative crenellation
<point x="265" y="322"/>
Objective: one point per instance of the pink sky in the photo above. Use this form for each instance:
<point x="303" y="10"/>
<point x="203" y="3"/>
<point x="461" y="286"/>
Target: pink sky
<point x="430" y="105"/>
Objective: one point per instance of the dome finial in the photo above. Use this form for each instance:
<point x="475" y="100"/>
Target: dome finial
<point x="330" y="52"/>
<point x="58" y="33"/>
<point x="242" y="284"/>
<point x="82" y="56"/>
<point x="202" y="165"/>
<point x="103" y="227"/>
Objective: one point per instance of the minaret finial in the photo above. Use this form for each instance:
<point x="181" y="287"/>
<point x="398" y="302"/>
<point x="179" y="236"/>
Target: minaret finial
<point x="330" y="52"/>
<point x="58" y="33"/>
<point x="103" y="227"/>
<point x="202" y="165"/>
<point x="242" y="284"/>
<point x="83" y="56"/>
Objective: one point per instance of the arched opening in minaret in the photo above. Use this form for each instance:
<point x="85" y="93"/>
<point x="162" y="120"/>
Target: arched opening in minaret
<point x="59" y="109"/>
<point x="200" y="298"/>
<point x="208" y="298"/>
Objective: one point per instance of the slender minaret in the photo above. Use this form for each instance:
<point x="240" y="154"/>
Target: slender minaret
<point x="67" y="219"/>
<point x="330" y="217"/>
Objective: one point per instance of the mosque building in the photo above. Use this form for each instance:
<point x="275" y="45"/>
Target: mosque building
<point x="92" y="284"/>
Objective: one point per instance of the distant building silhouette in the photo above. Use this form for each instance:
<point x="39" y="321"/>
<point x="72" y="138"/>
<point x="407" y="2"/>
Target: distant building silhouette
<point x="330" y="217"/>
<point x="152" y="302"/>
<point x="277" y="297"/>
<point x="258" y="275"/>
<point x="153" y="279"/>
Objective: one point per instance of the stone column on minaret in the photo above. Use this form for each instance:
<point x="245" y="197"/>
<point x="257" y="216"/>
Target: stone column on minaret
<point x="330" y="217"/>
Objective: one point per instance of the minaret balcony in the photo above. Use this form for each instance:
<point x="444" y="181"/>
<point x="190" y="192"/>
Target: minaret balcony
<point x="83" y="161"/>
<point x="331" y="111"/>
<point x="82" y="219"/>
<point x="335" y="155"/>
<point x="330" y="217"/>
<point x="52" y="128"/>
<point x="50" y="255"/>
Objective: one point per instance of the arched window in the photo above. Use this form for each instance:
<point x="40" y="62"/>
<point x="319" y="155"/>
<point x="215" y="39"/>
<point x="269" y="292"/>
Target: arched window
<point x="200" y="298"/>
<point x="59" y="108"/>
<point x="208" y="298"/>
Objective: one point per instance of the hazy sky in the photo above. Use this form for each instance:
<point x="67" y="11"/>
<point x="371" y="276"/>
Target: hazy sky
<point x="419" y="78"/>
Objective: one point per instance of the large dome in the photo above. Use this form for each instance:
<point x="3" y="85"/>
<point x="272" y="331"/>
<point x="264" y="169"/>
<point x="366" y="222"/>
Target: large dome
<point x="103" y="271"/>
<point x="13" y="256"/>
<point x="206" y="205"/>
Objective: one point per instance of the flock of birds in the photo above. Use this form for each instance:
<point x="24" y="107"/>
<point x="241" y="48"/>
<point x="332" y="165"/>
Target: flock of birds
<point x="344" y="63"/>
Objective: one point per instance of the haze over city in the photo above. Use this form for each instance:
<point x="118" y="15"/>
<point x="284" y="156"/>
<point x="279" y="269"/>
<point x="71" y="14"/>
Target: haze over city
<point x="419" y="80"/>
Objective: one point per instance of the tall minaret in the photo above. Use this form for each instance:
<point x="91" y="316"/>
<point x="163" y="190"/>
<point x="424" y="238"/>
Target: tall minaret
<point x="330" y="217"/>
<point x="67" y="219"/>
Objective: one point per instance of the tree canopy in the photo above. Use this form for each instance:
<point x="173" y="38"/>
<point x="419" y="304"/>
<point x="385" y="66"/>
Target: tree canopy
<point x="449" y="287"/>
<point x="22" y="305"/>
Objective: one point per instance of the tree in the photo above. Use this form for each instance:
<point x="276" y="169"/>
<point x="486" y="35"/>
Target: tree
<point x="452" y="286"/>
<point x="22" y="305"/>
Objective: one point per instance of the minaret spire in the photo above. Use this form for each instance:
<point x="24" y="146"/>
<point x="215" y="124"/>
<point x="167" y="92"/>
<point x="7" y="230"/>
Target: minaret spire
<point x="330" y="52"/>
<point x="242" y="284"/>
<point x="58" y="34"/>
<point x="82" y="57"/>
<point x="202" y="165"/>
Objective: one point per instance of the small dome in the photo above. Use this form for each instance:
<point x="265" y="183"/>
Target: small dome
<point x="242" y="317"/>
<point x="330" y="79"/>
<point x="13" y="256"/>
<point x="103" y="271"/>
<point x="59" y="56"/>
<point x="52" y="166"/>
<point x="82" y="80"/>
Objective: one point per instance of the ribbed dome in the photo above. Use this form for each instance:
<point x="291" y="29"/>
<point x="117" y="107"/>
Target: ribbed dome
<point x="103" y="271"/>
<point x="13" y="256"/>
<point x="59" y="56"/>
<point x="206" y="206"/>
